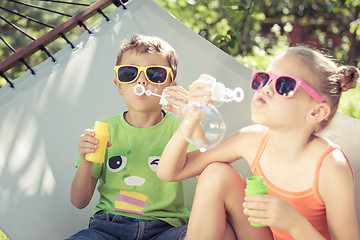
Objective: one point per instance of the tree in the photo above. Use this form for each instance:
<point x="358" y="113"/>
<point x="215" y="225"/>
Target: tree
<point x="237" y="27"/>
<point x="252" y="31"/>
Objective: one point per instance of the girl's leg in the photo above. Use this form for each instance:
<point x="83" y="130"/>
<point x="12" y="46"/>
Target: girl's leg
<point x="217" y="211"/>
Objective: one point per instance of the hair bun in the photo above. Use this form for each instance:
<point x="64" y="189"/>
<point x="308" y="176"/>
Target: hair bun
<point x="347" y="77"/>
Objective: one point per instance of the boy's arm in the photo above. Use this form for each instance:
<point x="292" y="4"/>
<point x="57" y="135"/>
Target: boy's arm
<point x="83" y="185"/>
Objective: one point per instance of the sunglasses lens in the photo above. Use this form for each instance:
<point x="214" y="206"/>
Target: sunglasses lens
<point x="127" y="73"/>
<point x="285" y="86"/>
<point x="259" y="80"/>
<point x="156" y="74"/>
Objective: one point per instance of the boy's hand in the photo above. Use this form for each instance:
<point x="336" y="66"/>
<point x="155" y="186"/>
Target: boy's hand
<point x="177" y="96"/>
<point x="88" y="143"/>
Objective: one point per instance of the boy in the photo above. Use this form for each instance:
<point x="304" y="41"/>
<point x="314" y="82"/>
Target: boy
<point x="134" y="203"/>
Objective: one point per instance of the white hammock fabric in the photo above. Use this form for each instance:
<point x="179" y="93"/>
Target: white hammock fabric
<point x="41" y="120"/>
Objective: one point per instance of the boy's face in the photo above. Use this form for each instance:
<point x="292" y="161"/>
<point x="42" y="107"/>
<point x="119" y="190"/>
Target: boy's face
<point x="143" y="102"/>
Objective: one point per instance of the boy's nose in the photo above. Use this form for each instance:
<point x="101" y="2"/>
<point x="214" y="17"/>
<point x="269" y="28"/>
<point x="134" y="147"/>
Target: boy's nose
<point x="142" y="79"/>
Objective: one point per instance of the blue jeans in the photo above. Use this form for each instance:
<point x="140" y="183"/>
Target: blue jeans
<point x="109" y="226"/>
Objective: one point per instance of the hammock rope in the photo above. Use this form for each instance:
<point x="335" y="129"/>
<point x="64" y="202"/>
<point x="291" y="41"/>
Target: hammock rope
<point x="55" y="32"/>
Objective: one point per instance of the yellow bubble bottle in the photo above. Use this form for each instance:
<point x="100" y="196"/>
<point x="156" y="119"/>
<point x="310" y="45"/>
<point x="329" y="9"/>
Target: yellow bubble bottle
<point x="102" y="135"/>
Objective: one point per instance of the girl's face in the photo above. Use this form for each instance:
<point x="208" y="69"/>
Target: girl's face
<point x="270" y="109"/>
<point x="143" y="102"/>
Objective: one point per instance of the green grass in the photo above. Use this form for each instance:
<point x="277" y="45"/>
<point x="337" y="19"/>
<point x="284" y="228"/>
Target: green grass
<point x="3" y="236"/>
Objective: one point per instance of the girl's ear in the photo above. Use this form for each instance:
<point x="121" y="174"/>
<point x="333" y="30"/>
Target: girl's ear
<point x="118" y="86"/>
<point x="319" y="113"/>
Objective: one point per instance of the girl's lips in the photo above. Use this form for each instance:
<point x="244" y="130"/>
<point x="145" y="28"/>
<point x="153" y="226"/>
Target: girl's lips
<point x="260" y="99"/>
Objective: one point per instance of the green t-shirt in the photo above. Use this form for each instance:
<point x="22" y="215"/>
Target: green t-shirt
<point x="128" y="184"/>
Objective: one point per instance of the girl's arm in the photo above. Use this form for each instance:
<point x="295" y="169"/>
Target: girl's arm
<point x="174" y="157"/>
<point x="273" y="211"/>
<point x="337" y="191"/>
<point x="175" y="164"/>
<point x="336" y="186"/>
<point x="177" y="96"/>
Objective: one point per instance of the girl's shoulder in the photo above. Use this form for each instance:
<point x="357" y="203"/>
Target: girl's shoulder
<point x="332" y="154"/>
<point x="249" y="138"/>
<point x="334" y="164"/>
<point x="253" y="132"/>
<point x="255" y="129"/>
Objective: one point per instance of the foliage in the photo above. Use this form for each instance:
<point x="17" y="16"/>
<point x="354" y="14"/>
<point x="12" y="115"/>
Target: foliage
<point x="349" y="103"/>
<point x="237" y="26"/>
<point x="253" y="31"/>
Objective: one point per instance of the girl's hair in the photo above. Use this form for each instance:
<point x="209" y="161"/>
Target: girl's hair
<point x="331" y="79"/>
<point x="147" y="44"/>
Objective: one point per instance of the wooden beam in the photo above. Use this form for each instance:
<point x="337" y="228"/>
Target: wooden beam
<point x="57" y="32"/>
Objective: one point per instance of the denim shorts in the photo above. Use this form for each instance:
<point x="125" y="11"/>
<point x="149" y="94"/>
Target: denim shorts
<point x="109" y="226"/>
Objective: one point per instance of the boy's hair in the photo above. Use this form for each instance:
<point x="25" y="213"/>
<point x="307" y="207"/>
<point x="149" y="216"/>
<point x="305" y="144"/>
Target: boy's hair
<point x="331" y="79"/>
<point x="148" y="44"/>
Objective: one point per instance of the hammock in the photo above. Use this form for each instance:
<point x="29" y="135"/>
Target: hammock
<point x="42" y="118"/>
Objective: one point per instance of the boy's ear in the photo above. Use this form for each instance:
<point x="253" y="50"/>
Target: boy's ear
<point x="118" y="86"/>
<point x="319" y="113"/>
<point x="173" y="83"/>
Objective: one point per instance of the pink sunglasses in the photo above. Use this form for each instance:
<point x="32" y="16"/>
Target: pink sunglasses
<point x="285" y="86"/>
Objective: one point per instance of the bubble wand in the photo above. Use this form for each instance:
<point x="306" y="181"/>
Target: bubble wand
<point x="220" y="93"/>
<point x="140" y="90"/>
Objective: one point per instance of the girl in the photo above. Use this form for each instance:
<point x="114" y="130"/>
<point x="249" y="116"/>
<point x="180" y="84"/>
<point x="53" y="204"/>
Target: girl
<point x="309" y="179"/>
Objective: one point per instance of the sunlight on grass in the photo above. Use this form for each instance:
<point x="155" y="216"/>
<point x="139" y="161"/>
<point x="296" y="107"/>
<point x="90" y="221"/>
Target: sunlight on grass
<point x="3" y="236"/>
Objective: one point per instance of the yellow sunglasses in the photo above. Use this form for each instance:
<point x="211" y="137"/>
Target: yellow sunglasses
<point x="154" y="74"/>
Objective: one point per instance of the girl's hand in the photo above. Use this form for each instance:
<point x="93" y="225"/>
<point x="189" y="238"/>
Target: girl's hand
<point x="272" y="211"/>
<point x="88" y="143"/>
<point x="177" y="96"/>
<point x="199" y="89"/>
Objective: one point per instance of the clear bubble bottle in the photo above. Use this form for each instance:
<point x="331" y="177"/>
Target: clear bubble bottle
<point x="102" y="135"/>
<point x="201" y="123"/>
<point x="255" y="186"/>
<point x="204" y="120"/>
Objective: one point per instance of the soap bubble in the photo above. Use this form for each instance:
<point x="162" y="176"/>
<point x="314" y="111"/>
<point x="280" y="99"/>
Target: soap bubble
<point x="205" y="118"/>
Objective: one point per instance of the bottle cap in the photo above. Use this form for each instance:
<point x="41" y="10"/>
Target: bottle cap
<point x="101" y="126"/>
